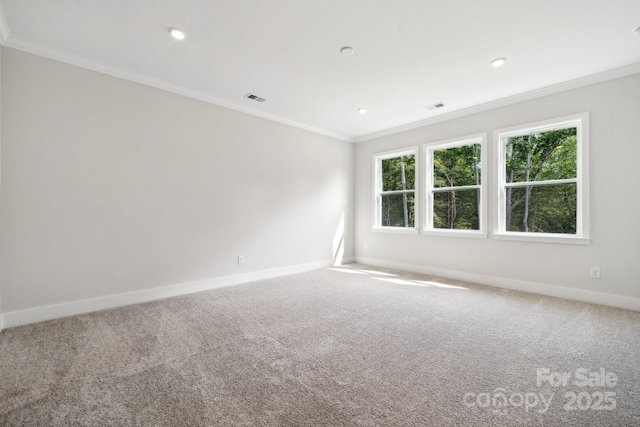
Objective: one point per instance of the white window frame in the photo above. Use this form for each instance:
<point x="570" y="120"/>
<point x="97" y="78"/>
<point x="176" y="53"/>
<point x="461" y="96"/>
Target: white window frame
<point x="581" y="123"/>
<point x="429" y="149"/>
<point x="377" y="191"/>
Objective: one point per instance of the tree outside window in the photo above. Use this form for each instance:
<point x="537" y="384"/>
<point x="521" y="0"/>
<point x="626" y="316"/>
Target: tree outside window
<point x="543" y="179"/>
<point x="456" y="189"/>
<point x="455" y="194"/>
<point x="395" y="190"/>
<point x="547" y="159"/>
<point x="541" y="173"/>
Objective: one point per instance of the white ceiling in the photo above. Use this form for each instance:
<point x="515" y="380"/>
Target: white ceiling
<point x="408" y="53"/>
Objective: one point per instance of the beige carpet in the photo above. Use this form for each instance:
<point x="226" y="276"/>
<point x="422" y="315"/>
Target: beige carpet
<point x="348" y="346"/>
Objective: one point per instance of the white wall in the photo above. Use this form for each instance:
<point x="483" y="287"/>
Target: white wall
<point x="614" y="108"/>
<point x="110" y="187"/>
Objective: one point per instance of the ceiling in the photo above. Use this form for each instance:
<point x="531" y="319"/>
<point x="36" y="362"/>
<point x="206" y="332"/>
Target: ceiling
<point x="408" y="53"/>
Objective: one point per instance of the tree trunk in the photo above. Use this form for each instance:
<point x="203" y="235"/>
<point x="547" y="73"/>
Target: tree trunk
<point x="525" y="218"/>
<point x="454" y="209"/>
<point x="509" y="204"/>
<point x="388" y="218"/>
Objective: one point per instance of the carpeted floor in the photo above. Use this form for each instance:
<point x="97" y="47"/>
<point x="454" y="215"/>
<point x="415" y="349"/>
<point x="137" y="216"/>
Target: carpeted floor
<point x="344" y="346"/>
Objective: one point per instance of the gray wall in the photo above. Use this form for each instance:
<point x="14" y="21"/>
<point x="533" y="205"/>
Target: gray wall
<point x="109" y="186"/>
<point x="614" y="108"/>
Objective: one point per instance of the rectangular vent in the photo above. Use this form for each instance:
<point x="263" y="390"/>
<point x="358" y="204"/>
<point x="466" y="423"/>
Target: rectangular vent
<point x="254" y="97"/>
<point x="435" y="106"/>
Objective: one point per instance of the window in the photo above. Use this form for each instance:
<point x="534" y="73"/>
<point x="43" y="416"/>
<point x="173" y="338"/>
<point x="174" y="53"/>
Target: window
<point x="455" y="193"/>
<point x="543" y="181"/>
<point x="395" y="191"/>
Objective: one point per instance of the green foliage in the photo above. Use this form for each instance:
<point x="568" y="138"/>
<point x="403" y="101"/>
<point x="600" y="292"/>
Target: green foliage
<point x="541" y="157"/>
<point x="398" y="174"/>
<point x="393" y="207"/>
<point x="456" y="210"/>
<point x="552" y="209"/>
<point x="536" y="157"/>
<point x="392" y="173"/>
<point x="455" y="167"/>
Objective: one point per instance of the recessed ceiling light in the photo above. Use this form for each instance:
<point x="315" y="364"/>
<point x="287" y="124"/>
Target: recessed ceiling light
<point x="362" y="110"/>
<point x="347" y="51"/>
<point x="498" y="62"/>
<point x="636" y="32"/>
<point x="176" y="33"/>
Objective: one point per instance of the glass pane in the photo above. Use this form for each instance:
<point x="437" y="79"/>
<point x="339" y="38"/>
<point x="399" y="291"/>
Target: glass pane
<point x="398" y="210"/>
<point x="457" y="166"/>
<point x="399" y="173"/>
<point x="542" y="209"/>
<point x="541" y="156"/>
<point x="456" y="210"/>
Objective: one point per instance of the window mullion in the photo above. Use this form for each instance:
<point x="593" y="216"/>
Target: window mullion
<point x="457" y="188"/>
<point x="390" y="193"/>
<point x="548" y="182"/>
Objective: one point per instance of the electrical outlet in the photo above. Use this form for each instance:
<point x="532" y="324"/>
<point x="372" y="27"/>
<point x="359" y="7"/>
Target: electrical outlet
<point x="240" y="259"/>
<point x="366" y="246"/>
<point x="594" y="272"/>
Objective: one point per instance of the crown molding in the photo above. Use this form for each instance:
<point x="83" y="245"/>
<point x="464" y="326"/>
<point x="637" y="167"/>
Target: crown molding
<point x="8" y="40"/>
<point x="78" y="61"/>
<point x="515" y="99"/>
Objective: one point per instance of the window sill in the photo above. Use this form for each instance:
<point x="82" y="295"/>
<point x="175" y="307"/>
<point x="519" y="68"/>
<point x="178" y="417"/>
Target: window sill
<point x="395" y="230"/>
<point x="542" y="238"/>
<point x="467" y="234"/>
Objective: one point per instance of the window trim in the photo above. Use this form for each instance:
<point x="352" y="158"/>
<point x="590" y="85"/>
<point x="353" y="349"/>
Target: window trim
<point x="582" y="236"/>
<point x="377" y="187"/>
<point x="429" y="148"/>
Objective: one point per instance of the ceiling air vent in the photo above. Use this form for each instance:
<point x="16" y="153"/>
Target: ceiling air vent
<point x="435" y="106"/>
<point x="254" y="97"/>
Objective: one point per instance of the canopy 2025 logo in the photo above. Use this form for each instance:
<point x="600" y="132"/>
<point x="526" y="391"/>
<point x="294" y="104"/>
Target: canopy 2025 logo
<point x="595" y="398"/>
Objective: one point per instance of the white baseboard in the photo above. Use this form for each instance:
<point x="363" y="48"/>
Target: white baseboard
<point x="39" y="314"/>
<point x="611" y="300"/>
